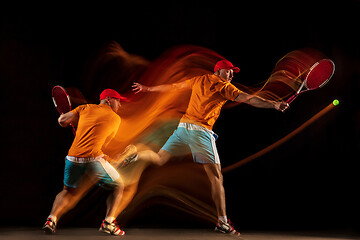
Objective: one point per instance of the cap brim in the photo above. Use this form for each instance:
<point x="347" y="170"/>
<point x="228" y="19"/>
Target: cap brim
<point x="124" y="99"/>
<point x="236" y="69"/>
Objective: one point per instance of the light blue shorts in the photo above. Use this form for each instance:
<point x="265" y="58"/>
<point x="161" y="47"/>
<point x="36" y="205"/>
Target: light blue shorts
<point x="195" y="139"/>
<point x="102" y="170"/>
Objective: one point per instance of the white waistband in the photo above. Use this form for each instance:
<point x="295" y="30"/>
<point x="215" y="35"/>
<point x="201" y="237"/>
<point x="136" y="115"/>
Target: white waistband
<point x="84" y="159"/>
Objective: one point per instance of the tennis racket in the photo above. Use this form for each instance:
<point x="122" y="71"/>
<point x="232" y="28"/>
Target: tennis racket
<point x="318" y="75"/>
<point x="62" y="102"/>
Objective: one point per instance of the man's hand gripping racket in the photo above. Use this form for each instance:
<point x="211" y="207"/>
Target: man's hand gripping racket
<point x="318" y="75"/>
<point x="62" y="102"/>
<point x="281" y="106"/>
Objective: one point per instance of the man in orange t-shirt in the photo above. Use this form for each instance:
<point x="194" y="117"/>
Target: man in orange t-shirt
<point x="86" y="164"/>
<point x="208" y="94"/>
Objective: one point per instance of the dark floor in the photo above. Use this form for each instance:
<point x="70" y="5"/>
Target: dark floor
<point x="166" y="234"/>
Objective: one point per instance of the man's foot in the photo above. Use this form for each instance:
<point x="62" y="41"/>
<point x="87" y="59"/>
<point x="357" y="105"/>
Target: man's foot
<point x="226" y="227"/>
<point x="128" y="156"/>
<point x="111" y="228"/>
<point x="49" y="227"/>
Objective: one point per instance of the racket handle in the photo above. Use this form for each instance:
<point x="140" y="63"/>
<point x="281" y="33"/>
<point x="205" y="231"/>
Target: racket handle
<point x="292" y="98"/>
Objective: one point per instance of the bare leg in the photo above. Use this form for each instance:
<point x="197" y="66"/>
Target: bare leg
<point x="128" y="195"/>
<point x="121" y="197"/>
<point x="114" y="200"/>
<point x="132" y="180"/>
<point x="109" y="202"/>
<point x="159" y="158"/>
<point x="68" y="198"/>
<point x="214" y="174"/>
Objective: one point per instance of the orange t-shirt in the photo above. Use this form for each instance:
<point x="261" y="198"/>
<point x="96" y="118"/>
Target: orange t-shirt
<point x="97" y="125"/>
<point x="209" y="94"/>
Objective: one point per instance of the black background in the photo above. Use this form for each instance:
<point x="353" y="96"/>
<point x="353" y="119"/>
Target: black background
<point x="310" y="182"/>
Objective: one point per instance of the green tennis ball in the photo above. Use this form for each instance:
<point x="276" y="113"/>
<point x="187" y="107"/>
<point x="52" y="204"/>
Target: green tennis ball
<point x="336" y="102"/>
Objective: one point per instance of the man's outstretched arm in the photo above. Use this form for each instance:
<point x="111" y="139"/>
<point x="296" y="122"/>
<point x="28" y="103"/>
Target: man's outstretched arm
<point x="259" y="102"/>
<point x="137" y="87"/>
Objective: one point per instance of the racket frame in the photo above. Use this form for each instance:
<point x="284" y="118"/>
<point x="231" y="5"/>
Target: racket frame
<point x="68" y="100"/>
<point x="304" y="83"/>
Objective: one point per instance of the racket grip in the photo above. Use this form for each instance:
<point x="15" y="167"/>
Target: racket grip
<point x="292" y="98"/>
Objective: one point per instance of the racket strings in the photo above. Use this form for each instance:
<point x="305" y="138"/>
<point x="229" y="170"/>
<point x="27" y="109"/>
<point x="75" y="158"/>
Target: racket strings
<point x="288" y="75"/>
<point x="320" y="74"/>
<point x="61" y="99"/>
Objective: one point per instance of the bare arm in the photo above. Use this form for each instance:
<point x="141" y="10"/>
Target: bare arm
<point x="259" y="102"/>
<point x="66" y="118"/>
<point x="137" y="87"/>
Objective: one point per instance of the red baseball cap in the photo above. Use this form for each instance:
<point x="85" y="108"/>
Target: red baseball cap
<point x="111" y="93"/>
<point x="225" y="64"/>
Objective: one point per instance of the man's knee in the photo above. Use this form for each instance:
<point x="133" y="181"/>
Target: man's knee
<point x="213" y="172"/>
<point x="69" y="190"/>
<point x="163" y="157"/>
